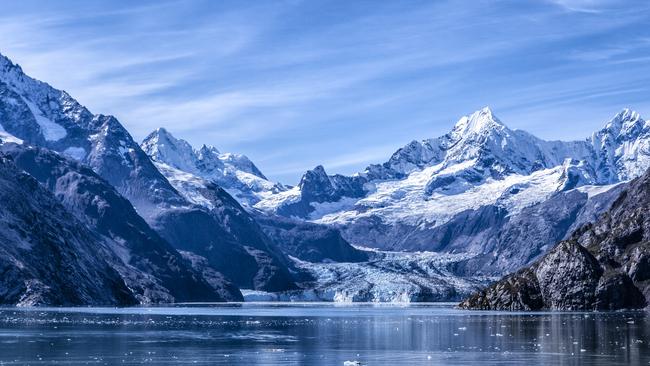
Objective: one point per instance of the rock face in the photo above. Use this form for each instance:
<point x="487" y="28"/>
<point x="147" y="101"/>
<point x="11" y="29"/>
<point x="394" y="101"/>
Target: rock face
<point x="47" y="256"/>
<point x="238" y="247"/>
<point x="309" y="242"/>
<point x="151" y="268"/>
<point x="44" y="116"/>
<point x="602" y="266"/>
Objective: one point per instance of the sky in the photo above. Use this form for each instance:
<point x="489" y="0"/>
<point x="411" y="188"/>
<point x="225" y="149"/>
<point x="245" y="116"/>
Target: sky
<point x="293" y="84"/>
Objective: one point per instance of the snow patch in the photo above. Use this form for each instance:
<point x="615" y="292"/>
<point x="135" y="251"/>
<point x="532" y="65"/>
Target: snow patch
<point x="7" y="137"/>
<point x="51" y="130"/>
<point x="77" y="153"/>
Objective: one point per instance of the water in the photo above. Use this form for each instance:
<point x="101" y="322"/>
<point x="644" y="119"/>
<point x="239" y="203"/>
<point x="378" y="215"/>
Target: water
<point x="320" y="334"/>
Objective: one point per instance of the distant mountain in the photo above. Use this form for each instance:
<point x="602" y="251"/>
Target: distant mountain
<point x="603" y="265"/>
<point x="193" y="173"/>
<point x="43" y="116"/>
<point x="469" y="190"/>
<point x="233" y="172"/>
<point x="329" y="268"/>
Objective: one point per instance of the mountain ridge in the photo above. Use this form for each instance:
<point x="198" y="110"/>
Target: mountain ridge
<point x="29" y="107"/>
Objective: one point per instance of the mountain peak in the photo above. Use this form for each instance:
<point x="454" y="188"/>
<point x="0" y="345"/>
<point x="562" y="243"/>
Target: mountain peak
<point x="477" y="123"/>
<point x="6" y="64"/>
<point x="208" y="149"/>
<point x="162" y="146"/>
<point x="161" y="131"/>
<point x="318" y="173"/>
<point x="319" y="169"/>
<point x="626" y="115"/>
<point x="626" y="122"/>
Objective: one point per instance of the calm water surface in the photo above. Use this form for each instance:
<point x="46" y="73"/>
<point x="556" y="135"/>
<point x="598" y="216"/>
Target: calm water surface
<point x="320" y="334"/>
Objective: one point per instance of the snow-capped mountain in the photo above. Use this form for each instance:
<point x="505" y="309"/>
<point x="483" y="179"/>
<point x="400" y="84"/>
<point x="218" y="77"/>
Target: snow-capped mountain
<point x="479" y="150"/>
<point x="233" y="172"/>
<point x="179" y="162"/>
<point x="481" y="171"/>
<point x="44" y="116"/>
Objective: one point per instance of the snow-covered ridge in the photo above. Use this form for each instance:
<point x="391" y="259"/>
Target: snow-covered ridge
<point x="426" y="183"/>
<point x="49" y="108"/>
<point x="479" y="151"/>
<point x="233" y="172"/>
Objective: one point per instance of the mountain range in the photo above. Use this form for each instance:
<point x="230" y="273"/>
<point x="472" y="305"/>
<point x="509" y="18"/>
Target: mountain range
<point x="161" y="221"/>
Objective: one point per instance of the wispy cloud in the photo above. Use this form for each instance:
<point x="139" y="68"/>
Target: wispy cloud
<point x="585" y="6"/>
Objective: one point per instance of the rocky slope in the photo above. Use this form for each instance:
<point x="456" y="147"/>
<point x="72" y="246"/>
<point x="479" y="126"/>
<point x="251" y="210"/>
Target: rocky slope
<point x="43" y="116"/>
<point x="603" y="265"/>
<point x="47" y="256"/>
<point x="307" y="241"/>
<point x="151" y="268"/>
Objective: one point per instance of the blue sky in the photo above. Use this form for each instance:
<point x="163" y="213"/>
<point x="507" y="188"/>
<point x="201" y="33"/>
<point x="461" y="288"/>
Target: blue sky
<point x="293" y="84"/>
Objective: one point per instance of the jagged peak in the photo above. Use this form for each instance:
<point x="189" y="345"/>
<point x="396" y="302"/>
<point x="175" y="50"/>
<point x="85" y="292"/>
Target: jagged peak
<point x="626" y="115"/>
<point x="315" y="177"/>
<point x="160" y="135"/>
<point x="318" y="171"/>
<point x="163" y="147"/>
<point x="208" y="149"/>
<point x="477" y="122"/>
<point x="161" y="131"/>
<point x="6" y="64"/>
<point x="624" y="122"/>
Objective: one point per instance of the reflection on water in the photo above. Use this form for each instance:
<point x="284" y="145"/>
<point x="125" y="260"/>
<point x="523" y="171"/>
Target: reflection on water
<point x="314" y="334"/>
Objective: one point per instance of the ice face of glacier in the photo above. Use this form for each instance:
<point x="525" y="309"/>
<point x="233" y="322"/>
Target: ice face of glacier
<point x="386" y="277"/>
